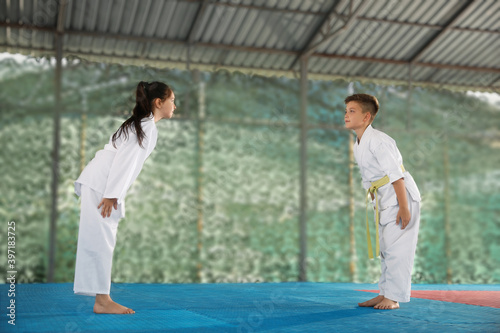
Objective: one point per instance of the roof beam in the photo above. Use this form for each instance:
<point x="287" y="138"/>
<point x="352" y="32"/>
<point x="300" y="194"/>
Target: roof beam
<point x="27" y="26"/>
<point x="454" y="19"/>
<point x="242" y="49"/>
<point x="361" y="18"/>
<point x="271" y="51"/>
<point x="406" y="63"/>
<point x="425" y="25"/>
<point x="263" y="8"/>
<point x="197" y="21"/>
<point x="254" y="70"/>
<point x="310" y="48"/>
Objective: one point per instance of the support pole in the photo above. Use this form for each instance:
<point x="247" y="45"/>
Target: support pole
<point x="195" y="75"/>
<point x="303" y="170"/>
<point x="382" y="119"/>
<point x="410" y="92"/>
<point x="447" y="210"/>
<point x="199" y="168"/>
<point x="352" y="242"/>
<point x="55" y="159"/>
<point x="83" y="132"/>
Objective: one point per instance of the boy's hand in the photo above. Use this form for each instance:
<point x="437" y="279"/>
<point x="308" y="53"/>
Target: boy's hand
<point x="403" y="215"/>
<point x="107" y="206"/>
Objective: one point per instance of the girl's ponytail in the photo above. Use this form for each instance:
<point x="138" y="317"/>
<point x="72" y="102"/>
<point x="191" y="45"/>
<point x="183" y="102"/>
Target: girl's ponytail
<point x="145" y="94"/>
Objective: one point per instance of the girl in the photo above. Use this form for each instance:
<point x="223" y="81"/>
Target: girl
<point x="103" y="185"/>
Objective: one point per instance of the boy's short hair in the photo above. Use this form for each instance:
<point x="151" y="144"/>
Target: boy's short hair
<point x="368" y="103"/>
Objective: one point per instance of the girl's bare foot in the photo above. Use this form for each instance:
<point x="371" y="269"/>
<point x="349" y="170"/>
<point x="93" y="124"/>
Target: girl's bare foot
<point x="387" y="304"/>
<point x="104" y="304"/>
<point x="374" y="301"/>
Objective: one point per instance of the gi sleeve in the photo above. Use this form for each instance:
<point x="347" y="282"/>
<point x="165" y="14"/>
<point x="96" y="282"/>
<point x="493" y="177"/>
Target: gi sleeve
<point x="390" y="160"/>
<point x="126" y="166"/>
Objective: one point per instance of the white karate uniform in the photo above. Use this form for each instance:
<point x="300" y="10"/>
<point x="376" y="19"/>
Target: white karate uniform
<point x="377" y="156"/>
<point x="109" y="175"/>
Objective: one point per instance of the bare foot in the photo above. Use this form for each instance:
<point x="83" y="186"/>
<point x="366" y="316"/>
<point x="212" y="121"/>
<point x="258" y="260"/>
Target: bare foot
<point x="387" y="304"/>
<point x="104" y="304"/>
<point x="373" y="301"/>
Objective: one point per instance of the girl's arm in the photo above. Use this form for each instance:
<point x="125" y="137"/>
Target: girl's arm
<point x="403" y="213"/>
<point x="107" y="206"/>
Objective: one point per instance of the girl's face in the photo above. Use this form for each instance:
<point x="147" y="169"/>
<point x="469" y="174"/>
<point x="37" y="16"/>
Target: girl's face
<point x="167" y="107"/>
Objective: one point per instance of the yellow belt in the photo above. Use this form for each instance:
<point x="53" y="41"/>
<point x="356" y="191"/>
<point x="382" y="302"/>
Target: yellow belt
<point x="373" y="189"/>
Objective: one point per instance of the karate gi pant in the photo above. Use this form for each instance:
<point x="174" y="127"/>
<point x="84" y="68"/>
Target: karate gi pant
<point x="96" y="243"/>
<point x="397" y="251"/>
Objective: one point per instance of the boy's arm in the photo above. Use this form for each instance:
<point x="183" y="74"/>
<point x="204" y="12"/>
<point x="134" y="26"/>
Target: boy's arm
<point x="403" y="213"/>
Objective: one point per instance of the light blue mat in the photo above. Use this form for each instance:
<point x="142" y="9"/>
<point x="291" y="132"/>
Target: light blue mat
<point x="261" y="307"/>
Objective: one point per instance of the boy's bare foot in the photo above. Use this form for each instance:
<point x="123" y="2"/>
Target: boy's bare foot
<point x="374" y="301"/>
<point x="387" y="304"/>
<point x="104" y="304"/>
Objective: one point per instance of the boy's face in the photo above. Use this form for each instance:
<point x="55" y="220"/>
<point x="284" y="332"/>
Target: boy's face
<point x="354" y="117"/>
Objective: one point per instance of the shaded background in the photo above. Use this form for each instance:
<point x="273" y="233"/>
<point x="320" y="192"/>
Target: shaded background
<point x="218" y="200"/>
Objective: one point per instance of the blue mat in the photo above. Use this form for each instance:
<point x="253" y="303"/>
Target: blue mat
<point x="260" y="307"/>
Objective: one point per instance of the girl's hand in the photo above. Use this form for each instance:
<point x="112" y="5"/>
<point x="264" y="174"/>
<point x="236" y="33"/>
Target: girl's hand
<point x="403" y="215"/>
<point x="107" y="206"/>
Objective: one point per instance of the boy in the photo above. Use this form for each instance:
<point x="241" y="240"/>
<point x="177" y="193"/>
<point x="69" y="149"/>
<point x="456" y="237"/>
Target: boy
<point x="395" y="196"/>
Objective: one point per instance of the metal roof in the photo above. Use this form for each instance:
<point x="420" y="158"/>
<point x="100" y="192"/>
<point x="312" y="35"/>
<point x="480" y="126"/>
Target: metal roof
<point x="450" y="43"/>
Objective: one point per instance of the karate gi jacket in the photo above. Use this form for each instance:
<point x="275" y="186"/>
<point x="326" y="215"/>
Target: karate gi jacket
<point x="113" y="170"/>
<point x="377" y="156"/>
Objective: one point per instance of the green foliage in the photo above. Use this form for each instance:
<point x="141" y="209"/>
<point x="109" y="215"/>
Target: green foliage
<point x="227" y="210"/>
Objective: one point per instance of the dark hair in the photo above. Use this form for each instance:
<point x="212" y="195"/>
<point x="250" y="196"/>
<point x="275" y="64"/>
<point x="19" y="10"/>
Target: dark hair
<point x="368" y="103"/>
<point x="145" y="95"/>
